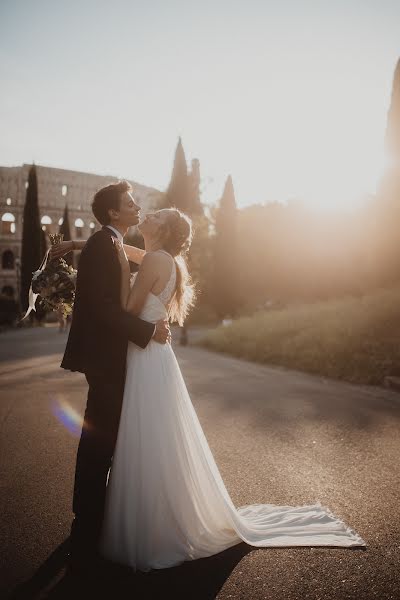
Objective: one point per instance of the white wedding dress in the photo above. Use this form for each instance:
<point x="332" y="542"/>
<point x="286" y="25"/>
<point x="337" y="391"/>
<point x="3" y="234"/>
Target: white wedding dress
<point x="166" y="501"/>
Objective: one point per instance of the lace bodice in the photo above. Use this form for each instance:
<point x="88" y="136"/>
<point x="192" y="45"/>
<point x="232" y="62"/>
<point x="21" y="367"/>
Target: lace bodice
<point x="155" y="307"/>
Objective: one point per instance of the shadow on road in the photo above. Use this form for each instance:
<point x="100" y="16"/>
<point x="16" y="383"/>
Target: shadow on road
<point x="52" y="566"/>
<point x="201" y="579"/>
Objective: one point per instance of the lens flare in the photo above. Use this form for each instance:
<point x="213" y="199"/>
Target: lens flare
<point x="68" y="417"/>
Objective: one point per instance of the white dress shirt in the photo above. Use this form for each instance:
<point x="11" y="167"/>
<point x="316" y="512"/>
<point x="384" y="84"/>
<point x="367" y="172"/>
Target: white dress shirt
<point x="117" y="233"/>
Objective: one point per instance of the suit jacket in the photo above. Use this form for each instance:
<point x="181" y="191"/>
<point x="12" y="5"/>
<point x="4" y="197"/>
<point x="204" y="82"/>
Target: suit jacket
<point x="100" y="329"/>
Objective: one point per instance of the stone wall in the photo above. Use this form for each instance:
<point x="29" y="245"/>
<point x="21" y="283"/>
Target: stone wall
<point x="56" y="188"/>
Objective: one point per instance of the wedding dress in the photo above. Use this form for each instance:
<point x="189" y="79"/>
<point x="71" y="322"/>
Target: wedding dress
<point x="166" y="501"/>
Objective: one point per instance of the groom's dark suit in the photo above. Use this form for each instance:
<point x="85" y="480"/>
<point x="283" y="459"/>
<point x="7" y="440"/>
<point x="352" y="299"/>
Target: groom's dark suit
<point x="97" y="346"/>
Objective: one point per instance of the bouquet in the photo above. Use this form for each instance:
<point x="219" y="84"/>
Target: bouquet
<point x="54" y="282"/>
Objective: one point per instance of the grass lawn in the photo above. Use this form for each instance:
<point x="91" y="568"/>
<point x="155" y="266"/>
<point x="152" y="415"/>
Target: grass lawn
<point x="356" y="339"/>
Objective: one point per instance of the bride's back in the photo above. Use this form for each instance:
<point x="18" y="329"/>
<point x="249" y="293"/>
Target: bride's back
<point x="156" y="304"/>
<point x="166" y="269"/>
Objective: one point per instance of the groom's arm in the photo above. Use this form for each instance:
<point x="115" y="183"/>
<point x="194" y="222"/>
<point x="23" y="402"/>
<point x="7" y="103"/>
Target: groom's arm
<point x="101" y="272"/>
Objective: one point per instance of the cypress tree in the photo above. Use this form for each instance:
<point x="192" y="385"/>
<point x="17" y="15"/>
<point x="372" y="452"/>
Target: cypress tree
<point x="225" y="289"/>
<point x="200" y="251"/>
<point x="390" y="184"/>
<point x="178" y="189"/>
<point x="65" y="230"/>
<point x="195" y="207"/>
<point x="31" y="237"/>
<point x="184" y="188"/>
<point x="392" y="138"/>
<point x="184" y="193"/>
<point x="388" y="209"/>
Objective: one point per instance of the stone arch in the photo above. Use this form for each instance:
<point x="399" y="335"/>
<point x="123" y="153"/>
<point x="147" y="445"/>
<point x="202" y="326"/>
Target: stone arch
<point x="79" y="225"/>
<point x="8" y="290"/>
<point x="46" y="223"/>
<point x="8" y="260"/>
<point x="7" y="223"/>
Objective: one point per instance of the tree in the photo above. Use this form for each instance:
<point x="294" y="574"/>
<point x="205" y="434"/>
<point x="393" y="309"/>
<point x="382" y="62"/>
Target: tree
<point x="184" y="188"/>
<point x="31" y="252"/>
<point x="178" y="189"/>
<point x="199" y="255"/>
<point x="388" y="208"/>
<point x="195" y="208"/>
<point x="390" y="185"/>
<point x="392" y="138"/>
<point x="184" y="193"/>
<point x="65" y="230"/>
<point x="225" y="285"/>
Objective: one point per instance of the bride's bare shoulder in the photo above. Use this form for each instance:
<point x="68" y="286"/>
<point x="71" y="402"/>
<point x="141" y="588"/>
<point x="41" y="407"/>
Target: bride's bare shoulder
<point x="158" y="258"/>
<point x="157" y="262"/>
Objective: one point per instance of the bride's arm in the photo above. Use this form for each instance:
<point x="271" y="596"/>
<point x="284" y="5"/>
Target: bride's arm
<point x="134" y="254"/>
<point x="125" y="273"/>
<point x="63" y="248"/>
<point x="133" y="299"/>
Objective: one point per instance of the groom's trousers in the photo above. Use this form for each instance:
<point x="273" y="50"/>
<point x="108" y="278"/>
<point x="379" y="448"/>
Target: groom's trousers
<point x="95" y="451"/>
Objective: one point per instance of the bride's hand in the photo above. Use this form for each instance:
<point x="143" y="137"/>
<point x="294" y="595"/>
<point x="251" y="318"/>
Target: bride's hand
<point x="61" y="249"/>
<point x="123" y="259"/>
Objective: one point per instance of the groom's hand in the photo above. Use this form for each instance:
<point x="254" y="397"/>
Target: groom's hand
<point x="162" y="334"/>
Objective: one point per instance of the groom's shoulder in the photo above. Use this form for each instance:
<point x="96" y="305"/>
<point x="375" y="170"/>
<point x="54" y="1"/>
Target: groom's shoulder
<point x="98" y="243"/>
<point x="100" y="238"/>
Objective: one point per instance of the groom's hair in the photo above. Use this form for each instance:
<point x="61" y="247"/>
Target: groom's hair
<point x="109" y="197"/>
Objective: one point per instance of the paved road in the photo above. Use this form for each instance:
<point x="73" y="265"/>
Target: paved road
<point x="278" y="436"/>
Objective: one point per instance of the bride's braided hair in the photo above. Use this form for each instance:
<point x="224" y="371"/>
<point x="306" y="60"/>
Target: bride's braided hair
<point x="176" y="238"/>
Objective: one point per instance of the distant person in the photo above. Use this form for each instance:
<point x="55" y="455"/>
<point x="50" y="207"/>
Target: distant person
<point x="166" y="500"/>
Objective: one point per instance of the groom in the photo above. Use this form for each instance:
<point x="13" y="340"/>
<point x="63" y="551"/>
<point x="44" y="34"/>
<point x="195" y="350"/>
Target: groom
<point x="97" y="346"/>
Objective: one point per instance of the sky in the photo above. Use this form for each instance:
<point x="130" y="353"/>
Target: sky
<point x="289" y="97"/>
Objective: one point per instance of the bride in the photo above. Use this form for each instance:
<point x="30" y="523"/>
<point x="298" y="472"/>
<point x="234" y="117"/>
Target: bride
<point x="166" y="502"/>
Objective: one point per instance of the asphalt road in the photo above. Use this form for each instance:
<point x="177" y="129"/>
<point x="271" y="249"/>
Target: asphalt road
<point x="278" y="436"/>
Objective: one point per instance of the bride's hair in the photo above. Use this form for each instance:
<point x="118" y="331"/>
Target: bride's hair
<point x="175" y="237"/>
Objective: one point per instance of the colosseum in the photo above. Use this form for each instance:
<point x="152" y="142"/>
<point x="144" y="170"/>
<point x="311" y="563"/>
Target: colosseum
<point x="56" y="189"/>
